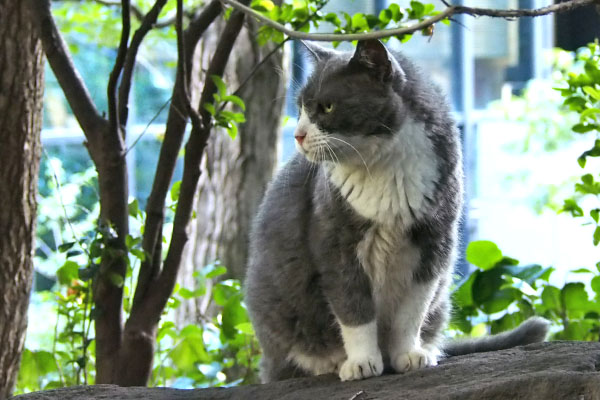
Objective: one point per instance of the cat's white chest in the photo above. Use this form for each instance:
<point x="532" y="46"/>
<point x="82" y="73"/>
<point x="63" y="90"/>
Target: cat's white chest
<point x="398" y="184"/>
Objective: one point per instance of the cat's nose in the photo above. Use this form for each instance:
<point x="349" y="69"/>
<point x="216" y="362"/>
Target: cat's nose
<point x="300" y="135"/>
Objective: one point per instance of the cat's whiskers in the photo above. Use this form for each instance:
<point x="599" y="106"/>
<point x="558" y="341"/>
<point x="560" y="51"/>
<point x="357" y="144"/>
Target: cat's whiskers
<point x="385" y="126"/>
<point x="334" y="157"/>
<point x="357" y="152"/>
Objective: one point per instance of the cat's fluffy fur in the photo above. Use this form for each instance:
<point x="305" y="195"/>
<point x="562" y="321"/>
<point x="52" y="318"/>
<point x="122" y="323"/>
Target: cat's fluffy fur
<point x="353" y="247"/>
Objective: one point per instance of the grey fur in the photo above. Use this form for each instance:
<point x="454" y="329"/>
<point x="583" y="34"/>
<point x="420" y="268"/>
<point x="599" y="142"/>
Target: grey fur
<point x="533" y="330"/>
<point x="316" y="261"/>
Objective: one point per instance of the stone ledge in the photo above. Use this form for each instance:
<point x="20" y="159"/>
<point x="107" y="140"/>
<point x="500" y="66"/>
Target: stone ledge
<point x="555" y="370"/>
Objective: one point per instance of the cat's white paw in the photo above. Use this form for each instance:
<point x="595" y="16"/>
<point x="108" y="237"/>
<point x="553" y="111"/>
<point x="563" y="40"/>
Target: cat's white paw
<point x="414" y="359"/>
<point x="361" y="368"/>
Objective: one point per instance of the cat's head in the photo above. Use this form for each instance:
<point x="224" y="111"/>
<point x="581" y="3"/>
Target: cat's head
<point x="351" y="104"/>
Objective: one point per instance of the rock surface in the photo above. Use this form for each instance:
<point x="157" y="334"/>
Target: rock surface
<point x="556" y="370"/>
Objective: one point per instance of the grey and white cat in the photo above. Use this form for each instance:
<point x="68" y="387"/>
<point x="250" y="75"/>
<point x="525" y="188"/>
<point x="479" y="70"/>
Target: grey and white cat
<point x="353" y="248"/>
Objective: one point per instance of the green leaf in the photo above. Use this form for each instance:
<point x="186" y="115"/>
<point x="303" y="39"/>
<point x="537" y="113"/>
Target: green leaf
<point x="529" y="273"/>
<point x="116" y="279"/>
<point x="221" y="87"/>
<point x="396" y="11"/>
<point x="68" y="272"/>
<point x="235" y="100"/>
<point x="581" y="271"/>
<point x="486" y="284"/>
<point x="597" y="236"/>
<point x="175" y="191"/>
<point x="218" y="270"/>
<point x="245" y="327"/>
<point x="232" y="130"/>
<point x="500" y="300"/>
<point x="595" y="284"/>
<point x="590" y="113"/>
<point x="359" y="22"/>
<point x="483" y="254"/>
<point x="189" y="352"/>
<point x="463" y="295"/>
<point x="417" y="10"/>
<point x="592" y="92"/>
<point x="262" y="5"/>
<point x="574" y="298"/>
<point x="65" y="246"/>
<point x="575" y="103"/>
<point x="385" y="16"/>
<point x="233" y="314"/>
<point x="210" y="108"/>
<point x="583" y="128"/>
<point x="551" y="299"/>
<point x="595" y="213"/>
<point x="134" y="208"/>
<point x="572" y="207"/>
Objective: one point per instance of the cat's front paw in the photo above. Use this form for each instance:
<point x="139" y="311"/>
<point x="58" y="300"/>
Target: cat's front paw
<point x="361" y="368"/>
<point x="414" y="359"/>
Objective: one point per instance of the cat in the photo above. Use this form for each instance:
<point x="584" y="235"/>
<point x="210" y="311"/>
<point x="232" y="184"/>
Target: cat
<point x="353" y="248"/>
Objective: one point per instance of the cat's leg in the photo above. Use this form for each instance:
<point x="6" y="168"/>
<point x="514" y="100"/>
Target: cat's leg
<point x="348" y="290"/>
<point x="276" y="369"/>
<point x="436" y="320"/>
<point x="407" y="351"/>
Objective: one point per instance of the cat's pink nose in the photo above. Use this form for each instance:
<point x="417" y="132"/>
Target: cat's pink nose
<point x="300" y="135"/>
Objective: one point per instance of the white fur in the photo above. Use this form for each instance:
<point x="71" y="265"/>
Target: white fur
<point x="317" y="365"/>
<point x="407" y="353"/>
<point x="364" y="357"/>
<point x="380" y="245"/>
<point x="310" y="147"/>
<point x="397" y="183"/>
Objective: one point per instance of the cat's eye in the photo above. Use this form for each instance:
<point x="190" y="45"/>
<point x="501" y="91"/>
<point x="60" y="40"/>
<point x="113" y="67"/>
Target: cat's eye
<point x="327" y="107"/>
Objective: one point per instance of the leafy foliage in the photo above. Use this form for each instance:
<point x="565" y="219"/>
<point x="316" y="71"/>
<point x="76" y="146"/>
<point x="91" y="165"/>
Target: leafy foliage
<point x="301" y="14"/>
<point x="582" y="95"/>
<point x="221" y="351"/>
<point x="500" y="294"/>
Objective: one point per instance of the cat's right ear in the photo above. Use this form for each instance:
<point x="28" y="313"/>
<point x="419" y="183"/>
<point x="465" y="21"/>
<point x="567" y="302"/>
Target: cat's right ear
<point x="316" y="52"/>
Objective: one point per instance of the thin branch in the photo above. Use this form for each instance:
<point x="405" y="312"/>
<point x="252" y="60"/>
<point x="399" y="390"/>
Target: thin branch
<point x="182" y="65"/>
<point x="191" y="172"/>
<point x="139" y="14"/>
<point x="169" y="152"/>
<point x="113" y="112"/>
<point x="447" y="13"/>
<point x="141" y="135"/>
<point x="148" y="22"/>
<point x="72" y="84"/>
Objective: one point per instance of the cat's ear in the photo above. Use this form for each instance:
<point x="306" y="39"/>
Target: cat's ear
<point x="373" y="55"/>
<point x="316" y="52"/>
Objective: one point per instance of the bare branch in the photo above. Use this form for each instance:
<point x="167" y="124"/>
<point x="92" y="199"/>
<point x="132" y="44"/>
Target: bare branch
<point x="193" y="156"/>
<point x="447" y="13"/>
<point x="113" y="112"/>
<point x="72" y="84"/>
<point x="169" y="151"/>
<point x="148" y="22"/>
<point x="139" y="14"/>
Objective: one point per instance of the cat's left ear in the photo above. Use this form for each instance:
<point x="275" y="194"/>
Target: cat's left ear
<point x="373" y="55"/>
<point x="316" y="52"/>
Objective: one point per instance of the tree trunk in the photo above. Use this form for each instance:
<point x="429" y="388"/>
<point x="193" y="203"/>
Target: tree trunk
<point x="235" y="172"/>
<point x="21" y="90"/>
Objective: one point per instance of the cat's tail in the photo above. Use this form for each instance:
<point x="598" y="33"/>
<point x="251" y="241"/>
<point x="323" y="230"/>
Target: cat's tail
<point x="533" y="330"/>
